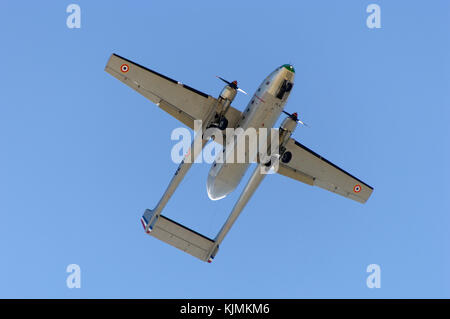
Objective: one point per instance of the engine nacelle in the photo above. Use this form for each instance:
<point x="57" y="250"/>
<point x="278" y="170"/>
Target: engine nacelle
<point x="226" y="97"/>
<point x="228" y="93"/>
<point x="287" y="127"/>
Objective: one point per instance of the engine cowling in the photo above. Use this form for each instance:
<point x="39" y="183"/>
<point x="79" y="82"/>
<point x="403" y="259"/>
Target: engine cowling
<point x="228" y="93"/>
<point x="225" y="98"/>
<point x="287" y="127"/>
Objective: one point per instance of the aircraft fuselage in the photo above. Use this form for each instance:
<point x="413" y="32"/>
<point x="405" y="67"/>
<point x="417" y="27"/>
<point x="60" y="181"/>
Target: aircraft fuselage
<point x="262" y="111"/>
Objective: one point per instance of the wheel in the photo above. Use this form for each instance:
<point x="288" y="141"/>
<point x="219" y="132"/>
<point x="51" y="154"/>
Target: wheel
<point x="286" y="158"/>
<point x="223" y="123"/>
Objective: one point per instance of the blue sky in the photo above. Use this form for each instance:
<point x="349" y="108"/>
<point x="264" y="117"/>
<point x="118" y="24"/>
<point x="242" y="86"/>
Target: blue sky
<point x="82" y="155"/>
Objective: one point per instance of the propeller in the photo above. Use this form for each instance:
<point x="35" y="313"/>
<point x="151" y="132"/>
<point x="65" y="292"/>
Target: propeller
<point x="294" y="116"/>
<point x="233" y="84"/>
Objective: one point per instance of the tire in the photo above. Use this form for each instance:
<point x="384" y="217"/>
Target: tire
<point x="286" y="158"/>
<point x="223" y="123"/>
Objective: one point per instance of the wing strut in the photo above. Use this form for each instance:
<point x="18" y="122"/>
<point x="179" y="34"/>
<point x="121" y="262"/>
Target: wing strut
<point x="180" y="173"/>
<point x="246" y="194"/>
<point x="168" y="230"/>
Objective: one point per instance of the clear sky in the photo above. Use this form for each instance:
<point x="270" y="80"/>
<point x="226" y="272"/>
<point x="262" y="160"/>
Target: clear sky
<point x="82" y="155"/>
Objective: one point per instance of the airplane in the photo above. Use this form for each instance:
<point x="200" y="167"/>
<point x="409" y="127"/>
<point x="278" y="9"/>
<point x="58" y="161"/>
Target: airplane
<point x="187" y="104"/>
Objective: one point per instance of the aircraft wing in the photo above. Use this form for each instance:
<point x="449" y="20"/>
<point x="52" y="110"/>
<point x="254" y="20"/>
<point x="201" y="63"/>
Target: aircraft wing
<point x="179" y="100"/>
<point x="311" y="168"/>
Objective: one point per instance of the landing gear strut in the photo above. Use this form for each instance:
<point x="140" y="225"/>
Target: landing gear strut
<point x="221" y="124"/>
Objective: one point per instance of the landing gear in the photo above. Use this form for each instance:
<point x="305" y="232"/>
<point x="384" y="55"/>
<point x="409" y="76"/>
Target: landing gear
<point x="286" y="158"/>
<point x="223" y="123"/>
<point x="268" y="164"/>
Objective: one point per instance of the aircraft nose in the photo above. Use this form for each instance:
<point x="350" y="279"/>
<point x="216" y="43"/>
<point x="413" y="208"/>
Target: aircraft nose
<point x="217" y="188"/>
<point x="289" y="67"/>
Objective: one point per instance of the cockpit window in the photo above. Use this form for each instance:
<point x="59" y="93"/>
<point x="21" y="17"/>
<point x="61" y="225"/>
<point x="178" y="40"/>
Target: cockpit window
<point x="285" y="87"/>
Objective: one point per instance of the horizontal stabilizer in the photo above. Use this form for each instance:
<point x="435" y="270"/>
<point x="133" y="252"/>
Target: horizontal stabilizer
<point x="178" y="235"/>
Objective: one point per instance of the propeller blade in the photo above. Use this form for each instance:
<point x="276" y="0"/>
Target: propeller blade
<point x="295" y="118"/>
<point x="292" y="116"/>
<point x="221" y="78"/>
<point x="302" y="123"/>
<point x="233" y="84"/>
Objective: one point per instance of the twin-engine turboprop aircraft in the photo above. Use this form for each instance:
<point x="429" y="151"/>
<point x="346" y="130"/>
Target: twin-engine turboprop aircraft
<point x="187" y="105"/>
